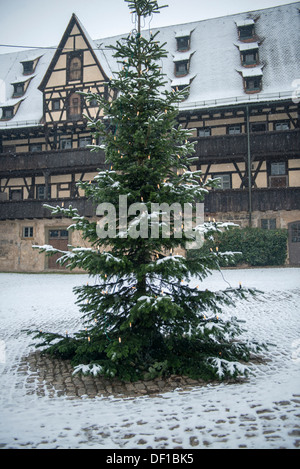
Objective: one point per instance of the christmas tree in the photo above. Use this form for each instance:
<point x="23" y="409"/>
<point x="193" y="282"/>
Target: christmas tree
<point x="142" y="315"/>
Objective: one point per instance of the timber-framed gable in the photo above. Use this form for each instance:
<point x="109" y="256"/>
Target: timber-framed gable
<point x="74" y="69"/>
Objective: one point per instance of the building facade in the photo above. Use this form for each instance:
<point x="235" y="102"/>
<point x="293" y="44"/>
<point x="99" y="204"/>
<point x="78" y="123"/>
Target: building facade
<point x="243" y="73"/>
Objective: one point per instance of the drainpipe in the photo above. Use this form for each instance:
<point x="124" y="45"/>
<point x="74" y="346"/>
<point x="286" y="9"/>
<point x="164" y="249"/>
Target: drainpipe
<point x="249" y="169"/>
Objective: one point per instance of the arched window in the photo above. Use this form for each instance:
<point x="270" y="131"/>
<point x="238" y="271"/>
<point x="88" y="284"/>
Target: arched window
<point x="75" y="68"/>
<point x="74" y="106"/>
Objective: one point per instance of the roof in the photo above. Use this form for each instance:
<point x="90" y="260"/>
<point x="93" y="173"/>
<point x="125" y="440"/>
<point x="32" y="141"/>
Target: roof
<point x="30" y="111"/>
<point x="215" y="65"/>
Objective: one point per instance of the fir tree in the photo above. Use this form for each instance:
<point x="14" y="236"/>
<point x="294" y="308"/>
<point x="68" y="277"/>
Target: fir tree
<point x="141" y="315"/>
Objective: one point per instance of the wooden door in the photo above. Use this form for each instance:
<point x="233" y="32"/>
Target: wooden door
<point x="59" y="239"/>
<point x="294" y="243"/>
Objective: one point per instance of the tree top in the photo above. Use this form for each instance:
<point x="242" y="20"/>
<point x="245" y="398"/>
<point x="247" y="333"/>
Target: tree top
<point x="144" y="7"/>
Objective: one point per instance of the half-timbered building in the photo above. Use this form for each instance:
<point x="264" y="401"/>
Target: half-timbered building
<point x="243" y="73"/>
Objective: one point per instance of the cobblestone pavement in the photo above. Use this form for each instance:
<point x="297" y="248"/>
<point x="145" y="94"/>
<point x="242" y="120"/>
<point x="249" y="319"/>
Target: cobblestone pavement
<point x="55" y="377"/>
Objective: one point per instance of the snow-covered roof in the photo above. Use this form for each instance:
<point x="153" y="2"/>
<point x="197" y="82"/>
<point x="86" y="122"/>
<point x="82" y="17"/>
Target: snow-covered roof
<point x="247" y="46"/>
<point x="252" y="72"/>
<point x="182" y="56"/>
<point x="31" y="58"/>
<point x="30" y="111"/>
<point x="183" y="81"/>
<point x="183" y="33"/>
<point x="247" y="22"/>
<point x="22" y="79"/>
<point x="11" y="102"/>
<point x="214" y="61"/>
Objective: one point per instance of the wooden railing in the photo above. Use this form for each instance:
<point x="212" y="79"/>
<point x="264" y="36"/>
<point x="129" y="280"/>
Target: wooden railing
<point x="237" y="200"/>
<point x="231" y="200"/>
<point x="55" y="161"/>
<point x="262" y="145"/>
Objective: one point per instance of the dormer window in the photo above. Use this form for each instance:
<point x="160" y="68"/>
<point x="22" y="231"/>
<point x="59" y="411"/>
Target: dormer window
<point x="18" y="89"/>
<point x="246" y="29"/>
<point x="8" y="112"/>
<point x="252" y="79"/>
<point x="246" y="32"/>
<point x="183" y="39"/>
<point x="28" y="67"/>
<point x="179" y="87"/>
<point x="250" y="57"/>
<point x="181" y="68"/>
<point x="183" y="43"/>
<point x="253" y="84"/>
<point x="30" y="64"/>
<point x="180" y="84"/>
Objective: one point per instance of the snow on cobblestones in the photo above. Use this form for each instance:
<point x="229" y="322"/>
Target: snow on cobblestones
<point x="262" y="412"/>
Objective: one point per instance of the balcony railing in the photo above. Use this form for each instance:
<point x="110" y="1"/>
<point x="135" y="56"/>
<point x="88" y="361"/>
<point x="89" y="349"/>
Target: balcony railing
<point x="55" y="161"/>
<point x="262" y="144"/>
<point x="208" y="149"/>
<point x="237" y="200"/>
<point x="30" y="209"/>
<point x="231" y="200"/>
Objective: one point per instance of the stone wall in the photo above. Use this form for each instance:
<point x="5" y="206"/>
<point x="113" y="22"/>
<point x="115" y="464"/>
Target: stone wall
<point x="17" y="254"/>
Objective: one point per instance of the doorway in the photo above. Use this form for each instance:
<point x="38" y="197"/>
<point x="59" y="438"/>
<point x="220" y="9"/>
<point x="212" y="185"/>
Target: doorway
<point x="294" y="242"/>
<point x="59" y="239"/>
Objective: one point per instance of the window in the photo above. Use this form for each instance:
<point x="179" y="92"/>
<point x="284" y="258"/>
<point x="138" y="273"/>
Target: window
<point x="205" y="132"/>
<point x="74" y="108"/>
<point x="56" y="105"/>
<point x="18" y="89"/>
<point x="28" y="67"/>
<point x="181" y="88"/>
<point x="7" y="112"/>
<point x="15" y="194"/>
<point x="84" y="141"/>
<point x="53" y="233"/>
<point x="234" y="129"/>
<point x="295" y="233"/>
<point x="65" y="143"/>
<point x="278" y="174"/>
<point x="41" y="192"/>
<point x="75" y="67"/>
<point x="93" y="102"/>
<point x="64" y="233"/>
<point x="253" y="84"/>
<point x="278" y="169"/>
<point x="10" y="149"/>
<point x="35" y="147"/>
<point x="224" y="181"/>
<point x="27" y="231"/>
<point x="246" y="32"/>
<point x="268" y="223"/>
<point x="281" y="126"/>
<point x="183" y="43"/>
<point x="250" y="57"/>
<point x="181" y="68"/>
<point x="58" y="234"/>
<point x="258" y="127"/>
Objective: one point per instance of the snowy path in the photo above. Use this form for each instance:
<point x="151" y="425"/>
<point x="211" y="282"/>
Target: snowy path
<point x="262" y="413"/>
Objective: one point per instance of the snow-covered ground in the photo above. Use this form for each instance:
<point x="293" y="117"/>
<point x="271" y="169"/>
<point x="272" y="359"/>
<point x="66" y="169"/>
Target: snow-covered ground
<point x="261" y="413"/>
